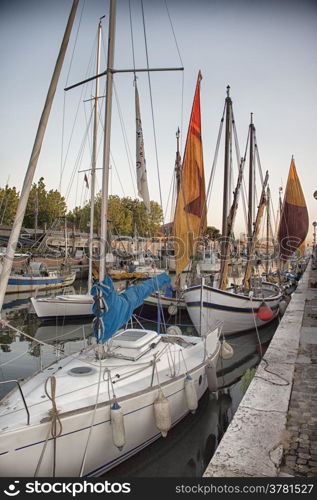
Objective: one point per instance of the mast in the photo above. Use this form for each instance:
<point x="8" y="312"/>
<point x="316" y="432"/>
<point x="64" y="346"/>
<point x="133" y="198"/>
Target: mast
<point x="16" y="228"/>
<point x="230" y="223"/>
<point x="228" y="139"/>
<point x="259" y="215"/>
<point x="106" y="150"/>
<point x="93" y="160"/>
<point x="268" y="222"/>
<point x="178" y="164"/>
<point x="251" y="186"/>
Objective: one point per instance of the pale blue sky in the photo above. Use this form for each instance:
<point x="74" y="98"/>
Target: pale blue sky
<point x="265" y="50"/>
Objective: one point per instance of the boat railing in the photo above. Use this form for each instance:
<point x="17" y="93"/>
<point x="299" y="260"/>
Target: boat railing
<point x="22" y="396"/>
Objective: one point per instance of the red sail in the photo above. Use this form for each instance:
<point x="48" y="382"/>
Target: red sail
<point x="293" y="226"/>
<point x="190" y="213"/>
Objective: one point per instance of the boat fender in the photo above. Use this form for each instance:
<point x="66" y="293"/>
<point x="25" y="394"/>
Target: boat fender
<point x="264" y="312"/>
<point x="162" y="414"/>
<point x="117" y="424"/>
<point x="282" y="307"/>
<point x="211" y="374"/>
<point x="191" y="394"/>
<point x="172" y="309"/>
<point x="226" y="350"/>
<point x="174" y="330"/>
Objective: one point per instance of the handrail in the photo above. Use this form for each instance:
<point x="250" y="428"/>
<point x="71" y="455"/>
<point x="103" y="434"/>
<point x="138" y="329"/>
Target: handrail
<point x="23" y="399"/>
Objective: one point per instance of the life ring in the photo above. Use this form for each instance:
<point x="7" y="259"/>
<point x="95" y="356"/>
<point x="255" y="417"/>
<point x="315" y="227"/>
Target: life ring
<point x="174" y="330"/>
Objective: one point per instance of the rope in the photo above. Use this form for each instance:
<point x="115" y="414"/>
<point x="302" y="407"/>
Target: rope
<point x="256" y="328"/>
<point x="91" y="424"/>
<point x="55" y="422"/>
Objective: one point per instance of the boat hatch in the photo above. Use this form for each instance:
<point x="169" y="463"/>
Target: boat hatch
<point x="80" y="371"/>
<point x="132" y="343"/>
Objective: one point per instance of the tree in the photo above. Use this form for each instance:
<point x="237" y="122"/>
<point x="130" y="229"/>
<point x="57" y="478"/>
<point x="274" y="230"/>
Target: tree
<point x="9" y="199"/>
<point x="49" y="204"/>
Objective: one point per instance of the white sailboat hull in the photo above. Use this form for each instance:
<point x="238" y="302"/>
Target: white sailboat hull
<point x="63" y="306"/>
<point x="237" y="312"/>
<point x="85" y="445"/>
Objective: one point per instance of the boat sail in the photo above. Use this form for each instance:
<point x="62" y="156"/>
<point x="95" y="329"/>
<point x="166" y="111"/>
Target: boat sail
<point x="293" y="225"/>
<point x="237" y="307"/>
<point x="189" y="218"/>
<point x="106" y="403"/>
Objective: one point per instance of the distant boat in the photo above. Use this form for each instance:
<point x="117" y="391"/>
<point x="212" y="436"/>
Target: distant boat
<point x="254" y="302"/>
<point x="37" y="278"/>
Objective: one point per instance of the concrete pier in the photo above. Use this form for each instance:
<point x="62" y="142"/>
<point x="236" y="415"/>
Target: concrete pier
<point x="274" y="431"/>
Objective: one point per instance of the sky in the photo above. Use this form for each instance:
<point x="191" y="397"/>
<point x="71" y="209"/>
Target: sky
<point x="265" y="50"/>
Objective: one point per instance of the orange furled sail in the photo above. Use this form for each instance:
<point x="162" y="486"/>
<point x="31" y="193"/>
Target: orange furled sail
<point x="190" y="213"/>
<point x="293" y="226"/>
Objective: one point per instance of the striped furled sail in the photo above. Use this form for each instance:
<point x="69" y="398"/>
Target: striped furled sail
<point x="293" y="226"/>
<point x="190" y="212"/>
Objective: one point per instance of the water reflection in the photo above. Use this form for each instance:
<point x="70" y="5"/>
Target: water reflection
<point x="188" y="447"/>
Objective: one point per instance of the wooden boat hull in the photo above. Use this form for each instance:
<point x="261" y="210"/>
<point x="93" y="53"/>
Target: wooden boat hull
<point x="17" y="284"/>
<point x="237" y="312"/>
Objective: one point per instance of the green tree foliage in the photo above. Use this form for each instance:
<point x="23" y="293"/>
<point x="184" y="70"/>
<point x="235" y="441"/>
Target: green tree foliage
<point x="126" y="216"/>
<point x="212" y="232"/>
<point x="51" y="205"/>
<point x="9" y="198"/>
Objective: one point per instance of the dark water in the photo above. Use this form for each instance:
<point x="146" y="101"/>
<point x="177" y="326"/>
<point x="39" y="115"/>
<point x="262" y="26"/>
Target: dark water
<point x="189" y="446"/>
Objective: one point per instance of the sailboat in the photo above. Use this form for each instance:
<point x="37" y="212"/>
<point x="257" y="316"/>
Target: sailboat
<point x="189" y="219"/>
<point x="255" y="303"/>
<point x="88" y="412"/>
<point x="293" y="225"/>
<point x="70" y="306"/>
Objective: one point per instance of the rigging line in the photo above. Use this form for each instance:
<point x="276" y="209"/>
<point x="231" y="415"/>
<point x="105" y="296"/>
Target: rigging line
<point x="152" y="112"/>
<point x="64" y="99"/>
<point x="115" y="167"/>
<point x="132" y="39"/>
<point x="243" y="190"/>
<point x="213" y="168"/>
<point x="125" y="140"/>
<point x="78" y="160"/>
<point x="183" y="78"/>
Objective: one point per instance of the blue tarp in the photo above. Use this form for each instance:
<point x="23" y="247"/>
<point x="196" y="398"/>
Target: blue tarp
<point x="112" y="309"/>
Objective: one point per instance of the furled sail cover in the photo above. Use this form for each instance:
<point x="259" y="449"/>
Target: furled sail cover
<point x="293" y="226"/>
<point x="190" y="213"/>
<point x="112" y="309"/>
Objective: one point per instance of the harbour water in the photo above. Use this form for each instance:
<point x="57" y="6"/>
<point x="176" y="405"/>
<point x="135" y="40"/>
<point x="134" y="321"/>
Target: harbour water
<point x="189" y="446"/>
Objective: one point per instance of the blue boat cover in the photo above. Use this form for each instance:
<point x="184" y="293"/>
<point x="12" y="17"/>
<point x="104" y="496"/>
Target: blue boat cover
<point x="112" y="310"/>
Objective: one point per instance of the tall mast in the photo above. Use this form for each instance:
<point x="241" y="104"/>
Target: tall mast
<point x="178" y="163"/>
<point x="93" y="160"/>
<point x="251" y="186"/>
<point x="228" y="139"/>
<point x="16" y="228"/>
<point x="106" y="150"/>
<point x="268" y="222"/>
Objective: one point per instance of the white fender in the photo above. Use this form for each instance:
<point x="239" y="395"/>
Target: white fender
<point x="162" y="414"/>
<point x="211" y="374"/>
<point x="226" y="351"/>
<point x="117" y="424"/>
<point x="191" y="394"/>
<point x="172" y="309"/>
<point x="174" y="330"/>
